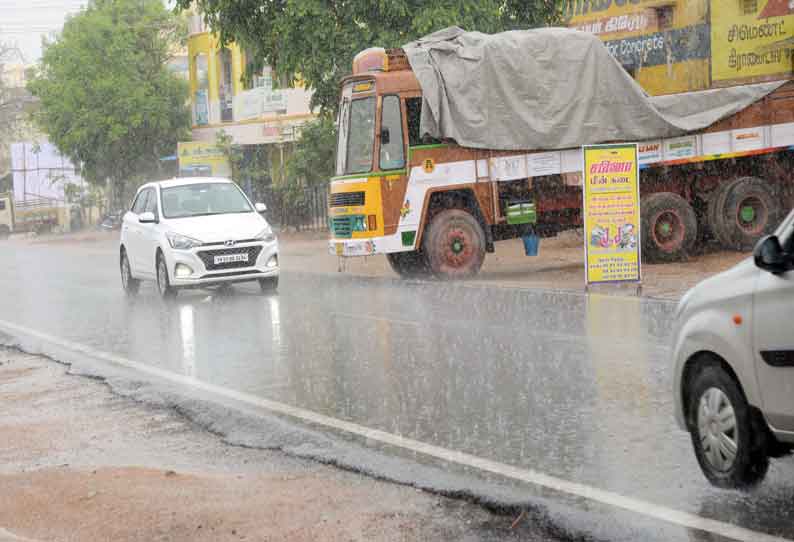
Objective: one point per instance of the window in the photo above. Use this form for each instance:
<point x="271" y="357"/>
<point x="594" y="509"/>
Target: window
<point x="2" y="205"/>
<point x="204" y="199"/>
<point x="392" y="146"/>
<point x="413" y="110"/>
<point x="151" y="203"/>
<point x="361" y="134"/>
<point x="664" y="16"/>
<point x="140" y="202"/>
<point x="749" y="7"/>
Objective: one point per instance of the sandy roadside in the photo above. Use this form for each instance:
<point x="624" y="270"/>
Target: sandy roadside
<point x="79" y="463"/>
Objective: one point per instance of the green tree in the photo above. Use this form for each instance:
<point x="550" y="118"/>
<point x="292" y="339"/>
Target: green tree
<point x="312" y="162"/>
<point x="318" y="39"/>
<point x="107" y="100"/>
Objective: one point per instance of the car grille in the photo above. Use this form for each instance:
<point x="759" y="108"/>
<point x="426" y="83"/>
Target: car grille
<point x="208" y="257"/>
<point x="342" y="227"/>
<point x="346" y="199"/>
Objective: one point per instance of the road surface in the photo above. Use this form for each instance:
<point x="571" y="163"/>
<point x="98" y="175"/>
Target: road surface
<point x="555" y="398"/>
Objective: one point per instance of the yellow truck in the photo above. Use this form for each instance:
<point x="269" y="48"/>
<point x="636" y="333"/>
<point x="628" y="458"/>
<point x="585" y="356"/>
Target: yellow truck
<point x="438" y="206"/>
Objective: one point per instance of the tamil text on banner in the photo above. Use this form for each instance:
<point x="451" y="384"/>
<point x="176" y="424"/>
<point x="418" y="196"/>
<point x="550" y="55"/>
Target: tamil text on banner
<point x="751" y="40"/>
<point x="611" y="213"/>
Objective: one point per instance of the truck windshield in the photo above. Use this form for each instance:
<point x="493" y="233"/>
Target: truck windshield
<point x="356" y="136"/>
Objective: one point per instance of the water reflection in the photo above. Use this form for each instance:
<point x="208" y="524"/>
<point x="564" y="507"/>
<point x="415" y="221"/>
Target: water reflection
<point x="187" y="331"/>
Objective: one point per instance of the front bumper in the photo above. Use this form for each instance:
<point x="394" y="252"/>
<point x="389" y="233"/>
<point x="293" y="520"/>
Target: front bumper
<point x="202" y="276"/>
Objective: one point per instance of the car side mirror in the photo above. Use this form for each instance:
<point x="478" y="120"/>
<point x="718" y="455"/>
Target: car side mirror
<point x="147" y="218"/>
<point x="769" y="255"/>
<point x="385" y="137"/>
<point x="260" y="207"/>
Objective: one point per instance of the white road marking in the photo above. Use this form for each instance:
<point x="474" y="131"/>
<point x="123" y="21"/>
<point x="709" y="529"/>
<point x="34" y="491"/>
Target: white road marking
<point x="638" y="506"/>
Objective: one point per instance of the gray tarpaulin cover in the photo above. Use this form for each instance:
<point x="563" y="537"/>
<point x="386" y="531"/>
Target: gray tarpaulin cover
<point x="550" y="88"/>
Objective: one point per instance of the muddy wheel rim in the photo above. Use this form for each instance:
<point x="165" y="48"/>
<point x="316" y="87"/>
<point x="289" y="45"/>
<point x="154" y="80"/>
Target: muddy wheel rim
<point x="717" y="429"/>
<point x="458" y="247"/>
<point x="668" y="230"/>
<point x="752" y="215"/>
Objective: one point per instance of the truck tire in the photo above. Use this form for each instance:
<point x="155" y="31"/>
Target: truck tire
<point x="744" y="210"/>
<point x="408" y="264"/>
<point x="669" y="227"/>
<point x="454" y="244"/>
<point x="5" y="231"/>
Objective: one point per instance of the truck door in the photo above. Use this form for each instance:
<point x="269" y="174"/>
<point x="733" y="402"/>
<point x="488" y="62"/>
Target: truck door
<point x="773" y="342"/>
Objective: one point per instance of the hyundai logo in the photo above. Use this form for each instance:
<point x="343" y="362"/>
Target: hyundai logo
<point x="230" y="243"/>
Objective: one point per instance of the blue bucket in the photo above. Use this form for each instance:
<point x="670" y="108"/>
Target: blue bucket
<point x="531" y="244"/>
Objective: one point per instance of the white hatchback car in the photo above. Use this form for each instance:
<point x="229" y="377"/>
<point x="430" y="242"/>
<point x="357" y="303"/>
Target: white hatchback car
<point x="734" y="364"/>
<point x="198" y="232"/>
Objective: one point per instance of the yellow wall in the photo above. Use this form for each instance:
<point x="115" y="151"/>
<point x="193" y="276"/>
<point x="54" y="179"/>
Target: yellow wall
<point x="208" y="44"/>
<point x="663" y="60"/>
<point x="750" y="45"/>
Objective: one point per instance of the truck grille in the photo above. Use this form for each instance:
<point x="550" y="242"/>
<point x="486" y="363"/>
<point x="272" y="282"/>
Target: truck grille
<point x="208" y="257"/>
<point x="342" y="227"/>
<point x="346" y="199"/>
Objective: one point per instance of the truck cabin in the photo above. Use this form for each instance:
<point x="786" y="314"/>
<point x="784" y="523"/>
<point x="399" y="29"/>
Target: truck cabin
<point x="379" y="114"/>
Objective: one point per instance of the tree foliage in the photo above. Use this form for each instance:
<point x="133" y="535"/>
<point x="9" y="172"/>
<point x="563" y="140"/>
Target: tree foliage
<point x="318" y="39"/>
<point x="107" y="100"/>
<point x="312" y="162"/>
<point x="14" y="103"/>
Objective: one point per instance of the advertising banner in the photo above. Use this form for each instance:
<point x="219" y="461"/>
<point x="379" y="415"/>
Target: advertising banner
<point x="200" y="159"/>
<point x="751" y="40"/>
<point x="611" y="213"/>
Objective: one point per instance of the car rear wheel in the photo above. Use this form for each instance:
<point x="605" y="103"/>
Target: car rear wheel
<point x="163" y="282"/>
<point x="728" y="437"/>
<point x="130" y="284"/>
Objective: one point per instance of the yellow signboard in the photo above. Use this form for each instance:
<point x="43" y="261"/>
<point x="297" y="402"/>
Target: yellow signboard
<point x="200" y="159"/>
<point x="611" y="213"/>
<point x="751" y="40"/>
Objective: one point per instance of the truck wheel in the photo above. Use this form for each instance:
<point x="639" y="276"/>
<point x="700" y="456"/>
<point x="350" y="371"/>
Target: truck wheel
<point x="730" y="444"/>
<point x="454" y="244"/>
<point x="408" y="264"/>
<point x="669" y="227"/>
<point x="744" y="210"/>
<point x="5" y="231"/>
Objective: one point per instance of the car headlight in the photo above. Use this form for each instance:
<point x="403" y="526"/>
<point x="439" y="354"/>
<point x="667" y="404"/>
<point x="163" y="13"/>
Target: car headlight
<point x="181" y="242"/>
<point x="267" y="235"/>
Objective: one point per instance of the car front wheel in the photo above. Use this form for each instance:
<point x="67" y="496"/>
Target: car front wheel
<point x="269" y="284"/>
<point x="163" y="282"/>
<point x="130" y="284"/>
<point x="729" y="439"/>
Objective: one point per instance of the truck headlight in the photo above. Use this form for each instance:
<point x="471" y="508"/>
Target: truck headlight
<point x="181" y="242"/>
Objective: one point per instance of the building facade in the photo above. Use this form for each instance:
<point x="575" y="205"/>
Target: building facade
<point x="680" y="45"/>
<point x="265" y="112"/>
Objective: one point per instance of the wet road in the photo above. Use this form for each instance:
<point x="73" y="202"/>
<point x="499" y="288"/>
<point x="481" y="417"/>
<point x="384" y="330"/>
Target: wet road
<point x="574" y="386"/>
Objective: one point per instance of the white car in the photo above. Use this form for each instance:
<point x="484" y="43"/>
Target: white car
<point x="196" y="232"/>
<point x="734" y="364"/>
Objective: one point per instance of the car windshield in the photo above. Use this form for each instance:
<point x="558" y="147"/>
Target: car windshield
<point x="203" y="199"/>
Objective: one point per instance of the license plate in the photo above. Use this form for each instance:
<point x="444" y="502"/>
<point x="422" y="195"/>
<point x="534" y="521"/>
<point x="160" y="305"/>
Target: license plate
<point x="340" y="249"/>
<point x="231" y="258"/>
